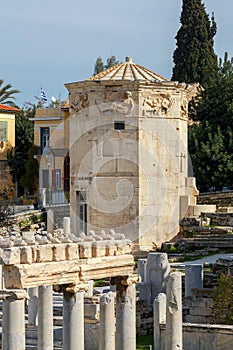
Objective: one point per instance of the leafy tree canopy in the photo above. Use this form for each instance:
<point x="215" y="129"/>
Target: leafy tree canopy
<point x="211" y="138"/>
<point x="7" y="94"/>
<point x="24" y="140"/>
<point x="100" y="67"/>
<point x="194" y="57"/>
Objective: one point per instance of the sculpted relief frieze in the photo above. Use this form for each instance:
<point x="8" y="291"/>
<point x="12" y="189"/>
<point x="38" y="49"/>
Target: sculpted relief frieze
<point x="115" y="105"/>
<point x="157" y="104"/>
<point x="78" y="101"/>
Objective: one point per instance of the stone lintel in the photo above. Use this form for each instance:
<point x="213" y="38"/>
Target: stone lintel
<point x="15" y="294"/>
<point x="68" y="272"/>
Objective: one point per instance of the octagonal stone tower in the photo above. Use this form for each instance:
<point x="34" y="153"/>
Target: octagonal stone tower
<point x="128" y="154"/>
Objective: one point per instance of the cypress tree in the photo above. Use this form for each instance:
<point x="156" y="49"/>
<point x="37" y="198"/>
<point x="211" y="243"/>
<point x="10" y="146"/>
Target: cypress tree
<point x="194" y="57"/>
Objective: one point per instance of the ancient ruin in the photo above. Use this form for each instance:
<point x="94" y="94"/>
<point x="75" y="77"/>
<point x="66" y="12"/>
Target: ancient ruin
<point x="128" y="154"/>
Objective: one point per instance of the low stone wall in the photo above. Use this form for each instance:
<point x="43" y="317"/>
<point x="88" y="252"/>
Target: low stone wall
<point x="198" y="307"/>
<point x="221" y="219"/>
<point x="207" y="337"/>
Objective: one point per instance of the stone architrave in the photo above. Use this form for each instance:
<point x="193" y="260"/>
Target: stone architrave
<point x="159" y="308"/>
<point x="73" y="318"/>
<point x="125" y="315"/>
<point x="193" y="278"/>
<point x="157" y="272"/>
<point x="33" y="306"/>
<point x="107" y="322"/>
<point x="173" y="339"/>
<point x="50" y="221"/>
<point x="13" y="319"/>
<point x="45" y="318"/>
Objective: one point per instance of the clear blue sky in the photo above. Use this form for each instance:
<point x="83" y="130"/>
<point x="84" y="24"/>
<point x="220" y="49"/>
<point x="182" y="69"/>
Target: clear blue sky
<point x="47" y="43"/>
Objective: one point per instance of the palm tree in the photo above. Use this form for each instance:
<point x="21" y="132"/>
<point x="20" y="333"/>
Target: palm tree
<point x="6" y="93"/>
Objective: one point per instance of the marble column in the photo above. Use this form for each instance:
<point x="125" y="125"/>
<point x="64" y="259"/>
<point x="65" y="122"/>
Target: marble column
<point x="174" y="312"/>
<point x="157" y="271"/>
<point x="159" y="314"/>
<point x="33" y="306"/>
<point x="107" y="322"/>
<point x="193" y="278"/>
<point x="66" y="226"/>
<point x="73" y="317"/>
<point x="45" y="318"/>
<point x="125" y="314"/>
<point x="142" y="269"/>
<point x="50" y="221"/>
<point x="13" y="319"/>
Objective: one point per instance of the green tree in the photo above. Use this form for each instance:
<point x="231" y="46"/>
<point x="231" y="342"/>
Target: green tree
<point x="194" y="57"/>
<point x="30" y="180"/>
<point x="18" y="156"/>
<point x="211" y="157"/>
<point x="223" y="300"/>
<point x="100" y="67"/>
<point x="111" y="61"/>
<point x="7" y="93"/>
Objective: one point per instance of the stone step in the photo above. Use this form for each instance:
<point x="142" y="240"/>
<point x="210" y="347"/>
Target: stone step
<point x="211" y="244"/>
<point x="209" y="238"/>
<point x="220" y="236"/>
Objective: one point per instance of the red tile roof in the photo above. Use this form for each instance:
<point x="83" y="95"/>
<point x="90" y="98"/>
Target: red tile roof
<point x="5" y="108"/>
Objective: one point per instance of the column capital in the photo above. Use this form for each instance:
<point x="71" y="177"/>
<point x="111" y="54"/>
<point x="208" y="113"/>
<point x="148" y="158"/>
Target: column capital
<point x="17" y="294"/>
<point x="126" y="280"/>
<point x="74" y="288"/>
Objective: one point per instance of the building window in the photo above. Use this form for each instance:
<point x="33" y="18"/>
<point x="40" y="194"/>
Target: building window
<point x="44" y="138"/>
<point x="56" y="180"/>
<point x="67" y="173"/>
<point x="3" y="131"/>
<point x="119" y="125"/>
<point x="82" y="211"/>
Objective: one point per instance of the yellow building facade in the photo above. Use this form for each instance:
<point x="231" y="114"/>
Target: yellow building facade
<point x="7" y="130"/>
<point x="51" y="134"/>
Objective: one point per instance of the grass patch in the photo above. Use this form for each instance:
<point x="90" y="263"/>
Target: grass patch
<point x="144" y="341"/>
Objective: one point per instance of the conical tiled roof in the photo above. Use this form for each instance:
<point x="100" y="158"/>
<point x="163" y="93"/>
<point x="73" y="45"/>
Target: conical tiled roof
<point x="128" y="71"/>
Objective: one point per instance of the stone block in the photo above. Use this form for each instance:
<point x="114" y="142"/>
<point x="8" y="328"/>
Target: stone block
<point x="123" y="247"/>
<point x="91" y="311"/>
<point x="44" y="253"/>
<point x="29" y="236"/>
<point x="111" y="249"/>
<point x="199" y="319"/>
<point x="26" y="255"/>
<point x="203" y="303"/>
<point x="59" y="252"/>
<point x="98" y="249"/>
<point x="85" y="250"/>
<point x="72" y="251"/>
<point x="10" y="256"/>
<point x="200" y="311"/>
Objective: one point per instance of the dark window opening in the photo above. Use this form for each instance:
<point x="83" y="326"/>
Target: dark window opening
<point x="119" y="125"/>
<point x="44" y="138"/>
<point x="67" y="173"/>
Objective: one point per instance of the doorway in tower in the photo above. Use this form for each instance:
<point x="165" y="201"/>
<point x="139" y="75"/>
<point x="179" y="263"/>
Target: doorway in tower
<point x="82" y="211"/>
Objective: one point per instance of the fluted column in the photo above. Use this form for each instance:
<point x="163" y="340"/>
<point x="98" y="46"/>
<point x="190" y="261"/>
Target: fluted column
<point x="73" y="317"/>
<point x="174" y="312"/>
<point x="13" y="319"/>
<point x="159" y="308"/>
<point x="126" y="313"/>
<point x="45" y="318"/>
<point x="33" y="306"/>
<point x="107" y="322"/>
